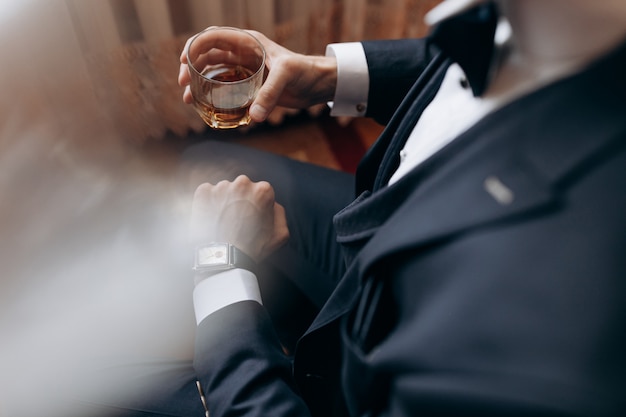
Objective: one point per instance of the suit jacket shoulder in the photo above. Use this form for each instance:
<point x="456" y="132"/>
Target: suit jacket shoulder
<point x="394" y="66"/>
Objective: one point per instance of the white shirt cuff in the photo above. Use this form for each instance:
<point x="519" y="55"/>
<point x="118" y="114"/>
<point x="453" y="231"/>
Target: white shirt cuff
<point x="223" y="289"/>
<point x="352" y="79"/>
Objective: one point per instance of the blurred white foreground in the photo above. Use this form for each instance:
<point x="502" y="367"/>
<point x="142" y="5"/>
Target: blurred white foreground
<point x="93" y="265"/>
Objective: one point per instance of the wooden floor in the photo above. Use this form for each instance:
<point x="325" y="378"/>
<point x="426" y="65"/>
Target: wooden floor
<point x="318" y="139"/>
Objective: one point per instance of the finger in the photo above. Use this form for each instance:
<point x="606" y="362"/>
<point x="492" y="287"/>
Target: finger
<point x="240" y="189"/>
<point x="259" y="36"/>
<point x="269" y="94"/>
<point x="183" y="54"/>
<point x="264" y="195"/>
<point x="207" y="43"/>
<point x="187" y="96"/>
<point x="242" y="179"/>
<point x="183" y="75"/>
<point x="202" y="196"/>
<point x="199" y="224"/>
<point x="254" y="191"/>
<point x="225" y="40"/>
<point x="260" y="194"/>
<point x="219" y="57"/>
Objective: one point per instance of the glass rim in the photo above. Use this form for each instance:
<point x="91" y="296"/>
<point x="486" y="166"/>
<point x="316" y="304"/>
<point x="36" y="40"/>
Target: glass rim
<point x="258" y="42"/>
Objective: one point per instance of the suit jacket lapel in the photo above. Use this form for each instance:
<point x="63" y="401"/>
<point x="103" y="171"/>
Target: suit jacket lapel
<point x="518" y="159"/>
<point x="468" y="190"/>
<point x="371" y="171"/>
<point x="382" y="158"/>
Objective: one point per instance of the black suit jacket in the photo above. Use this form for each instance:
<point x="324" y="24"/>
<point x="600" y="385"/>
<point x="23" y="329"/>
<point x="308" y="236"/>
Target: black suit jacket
<point x="491" y="280"/>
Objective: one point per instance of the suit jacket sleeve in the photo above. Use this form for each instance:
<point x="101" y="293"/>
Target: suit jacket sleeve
<point x="241" y="365"/>
<point x="394" y="66"/>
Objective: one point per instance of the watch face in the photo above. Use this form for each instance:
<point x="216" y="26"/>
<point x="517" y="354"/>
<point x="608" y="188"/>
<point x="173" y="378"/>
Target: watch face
<point x="212" y="255"/>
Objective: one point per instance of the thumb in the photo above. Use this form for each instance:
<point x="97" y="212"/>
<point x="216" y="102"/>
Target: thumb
<point x="267" y="97"/>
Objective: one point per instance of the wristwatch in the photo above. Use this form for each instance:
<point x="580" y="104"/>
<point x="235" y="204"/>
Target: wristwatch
<point x="215" y="257"/>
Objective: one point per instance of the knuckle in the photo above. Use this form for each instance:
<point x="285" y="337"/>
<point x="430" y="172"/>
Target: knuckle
<point x="265" y="190"/>
<point x="241" y="180"/>
<point x="256" y="34"/>
<point x="204" y="188"/>
<point x="222" y="183"/>
<point x="264" y="186"/>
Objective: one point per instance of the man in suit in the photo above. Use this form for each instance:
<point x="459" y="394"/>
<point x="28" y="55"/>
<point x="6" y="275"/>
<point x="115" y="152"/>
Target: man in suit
<point x="480" y="269"/>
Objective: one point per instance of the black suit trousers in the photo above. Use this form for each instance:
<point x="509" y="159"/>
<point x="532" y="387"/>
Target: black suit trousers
<point x="295" y="281"/>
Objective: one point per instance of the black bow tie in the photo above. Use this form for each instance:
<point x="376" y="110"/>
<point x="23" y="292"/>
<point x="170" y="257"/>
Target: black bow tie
<point x="468" y="39"/>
